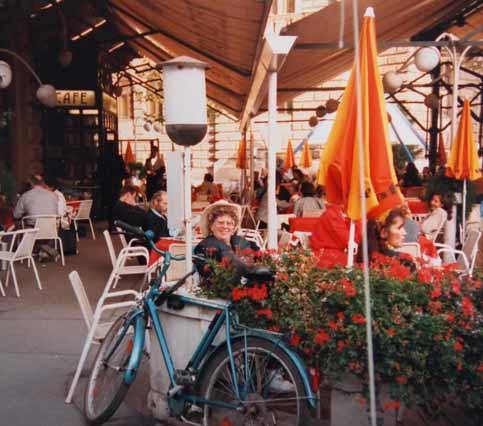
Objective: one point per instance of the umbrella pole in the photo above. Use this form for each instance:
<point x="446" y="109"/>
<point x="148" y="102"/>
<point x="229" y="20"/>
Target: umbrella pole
<point x="365" y="251"/>
<point x="463" y="219"/>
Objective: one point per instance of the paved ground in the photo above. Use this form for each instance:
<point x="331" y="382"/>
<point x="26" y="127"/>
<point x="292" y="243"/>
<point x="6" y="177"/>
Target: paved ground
<point x="42" y="333"/>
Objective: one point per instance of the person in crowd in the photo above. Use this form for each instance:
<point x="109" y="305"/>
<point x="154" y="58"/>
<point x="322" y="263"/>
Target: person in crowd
<point x="411" y="176"/>
<point x="262" y="211"/>
<point x="308" y="200"/>
<point x="330" y="237"/>
<point x="411" y="226"/>
<point x="127" y="210"/>
<point x="385" y="235"/>
<point x="208" y="187"/>
<point x="426" y="174"/>
<point x="51" y="185"/>
<point x="37" y="201"/>
<point x="298" y="178"/>
<point x="155" y="168"/>
<point x="219" y="224"/>
<point x="156" y="219"/>
<point x="440" y="210"/>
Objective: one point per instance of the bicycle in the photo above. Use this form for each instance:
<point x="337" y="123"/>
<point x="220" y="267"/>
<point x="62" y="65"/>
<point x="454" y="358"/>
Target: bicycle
<point x="251" y="378"/>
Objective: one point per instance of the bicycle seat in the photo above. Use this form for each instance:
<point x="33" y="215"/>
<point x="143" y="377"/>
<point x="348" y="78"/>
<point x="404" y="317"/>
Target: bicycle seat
<point x="259" y="273"/>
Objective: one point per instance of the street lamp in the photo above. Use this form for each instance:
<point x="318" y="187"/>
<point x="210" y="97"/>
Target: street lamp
<point x="46" y="93"/>
<point x="184" y="91"/>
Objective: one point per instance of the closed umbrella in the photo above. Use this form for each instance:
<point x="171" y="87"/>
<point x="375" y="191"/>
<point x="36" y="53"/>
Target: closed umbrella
<point x="241" y="159"/>
<point x="339" y="166"/>
<point x="129" y="156"/>
<point x="358" y="151"/>
<point x="306" y="158"/>
<point x="463" y="161"/>
<point x="289" y="160"/>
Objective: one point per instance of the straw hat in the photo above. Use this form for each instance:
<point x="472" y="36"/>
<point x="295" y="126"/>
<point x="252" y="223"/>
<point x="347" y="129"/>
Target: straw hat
<point x="203" y="224"/>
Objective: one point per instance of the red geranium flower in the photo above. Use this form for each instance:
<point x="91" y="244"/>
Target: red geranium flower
<point x="391" y="332"/>
<point x="467" y="307"/>
<point x="392" y="405"/>
<point x="358" y="319"/>
<point x="401" y="380"/>
<point x="321" y="338"/>
<point x="265" y="312"/>
<point x="458" y="346"/>
<point x="333" y="325"/>
<point x="294" y="340"/>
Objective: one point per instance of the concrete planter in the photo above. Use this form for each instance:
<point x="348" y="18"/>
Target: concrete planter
<point x="183" y="331"/>
<point x="345" y="409"/>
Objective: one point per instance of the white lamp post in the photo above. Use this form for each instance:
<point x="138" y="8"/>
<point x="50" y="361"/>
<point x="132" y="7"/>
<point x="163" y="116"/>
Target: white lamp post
<point x="184" y="91"/>
<point x="46" y="93"/>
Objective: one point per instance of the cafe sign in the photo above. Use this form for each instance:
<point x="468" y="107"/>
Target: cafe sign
<point x="76" y="98"/>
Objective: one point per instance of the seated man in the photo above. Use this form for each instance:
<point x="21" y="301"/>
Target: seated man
<point x="208" y="187"/>
<point x="127" y="210"/>
<point x="37" y="201"/>
<point x="156" y="219"/>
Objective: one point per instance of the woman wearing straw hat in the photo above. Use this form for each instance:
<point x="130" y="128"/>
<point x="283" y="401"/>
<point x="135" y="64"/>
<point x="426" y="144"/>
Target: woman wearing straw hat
<point x="219" y="223"/>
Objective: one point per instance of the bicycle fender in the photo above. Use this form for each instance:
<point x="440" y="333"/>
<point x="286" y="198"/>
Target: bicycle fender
<point x="294" y="357"/>
<point x="137" y="349"/>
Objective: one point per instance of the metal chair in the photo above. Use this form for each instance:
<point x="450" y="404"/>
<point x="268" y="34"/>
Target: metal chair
<point x="466" y="257"/>
<point x="48" y="226"/>
<point x="22" y="252"/>
<point x="253" y="236"/>
<point x="84" y="214"/>
<point x="413" y="249"/>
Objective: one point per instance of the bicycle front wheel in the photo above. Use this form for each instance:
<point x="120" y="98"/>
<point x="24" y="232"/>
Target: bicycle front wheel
<point x="269" y="385"/>
<point x="106" y="388"/>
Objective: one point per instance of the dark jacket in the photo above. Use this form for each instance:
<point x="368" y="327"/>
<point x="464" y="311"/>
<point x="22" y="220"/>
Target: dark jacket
<point x="132" y="215"/>
<point x="157" y="224"/>
<point x="212" y="248"/>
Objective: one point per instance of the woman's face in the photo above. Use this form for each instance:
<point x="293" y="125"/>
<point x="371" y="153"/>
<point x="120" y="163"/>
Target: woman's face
<point x="223" y="228"/>
<point x="436" y="202"/>
<point x="395" y="233"/>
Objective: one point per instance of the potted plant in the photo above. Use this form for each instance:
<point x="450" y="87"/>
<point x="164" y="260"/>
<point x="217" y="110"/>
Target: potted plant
<point x="427" y="325"/>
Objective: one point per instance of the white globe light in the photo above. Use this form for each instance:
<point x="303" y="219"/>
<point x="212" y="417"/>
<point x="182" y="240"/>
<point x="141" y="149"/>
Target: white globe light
<point x="147" y="126"/>
<point x="392" y="81"/>
<point x="157" y="126"/>
<point x="47" y="95"/>
<point x="5" y="75"/>
<point x="427" y="58"/>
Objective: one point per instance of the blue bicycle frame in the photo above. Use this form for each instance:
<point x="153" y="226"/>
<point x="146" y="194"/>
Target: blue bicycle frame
<point x="204" y="351"/>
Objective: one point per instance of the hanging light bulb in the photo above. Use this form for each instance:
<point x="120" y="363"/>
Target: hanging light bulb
<point x="148" y="126"/>
<point x="5" y="75"/>
<point x="331" y="105"/>
<point x="313" y="121"/>
<point x="158" y="126"/>
<point x="431" y="101"/>
<point x="47" y="95"/>
<point x="427" y="58"/>
<point x="320" y="111"/>
<point x="392" y="81"/>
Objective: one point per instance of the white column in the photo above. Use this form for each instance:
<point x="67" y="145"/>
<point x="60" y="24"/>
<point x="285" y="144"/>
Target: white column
<point x="187" y="209"/>
<point x="272" y="242"/>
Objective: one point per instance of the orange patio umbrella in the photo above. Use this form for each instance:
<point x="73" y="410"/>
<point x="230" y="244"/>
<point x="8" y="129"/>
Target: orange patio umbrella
<point x="442" y="158"/>
<point x="463" y="160"/>
<point x="289" y="160"/>
<point x="339" y="166"/>
<point x="241" y="159"/>
<point x="129" y="156"/>
<point x="306" y="159"/>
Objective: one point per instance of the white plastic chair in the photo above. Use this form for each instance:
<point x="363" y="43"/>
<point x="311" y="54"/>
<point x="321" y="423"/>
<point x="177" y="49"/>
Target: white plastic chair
<point x="413" y="249"/>
<point x="48" y="226"/>
<point x="252" y="235"/>
<point x="101" y="307"/>
<point x="22" y="252"/>
<point x="466" y="257"/>
<point x="86" y="308"/>
<point x="120" y="268"/>
<point x="83" y="214"/>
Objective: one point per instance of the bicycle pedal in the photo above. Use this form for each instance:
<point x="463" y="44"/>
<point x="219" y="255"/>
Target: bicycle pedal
<point x="185" y="378"/>
<point x="175" y="390"/>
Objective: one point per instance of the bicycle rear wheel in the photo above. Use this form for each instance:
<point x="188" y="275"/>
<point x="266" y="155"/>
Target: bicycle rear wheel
<point x="106" y="388"/>
<point x="270" y="387"/>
